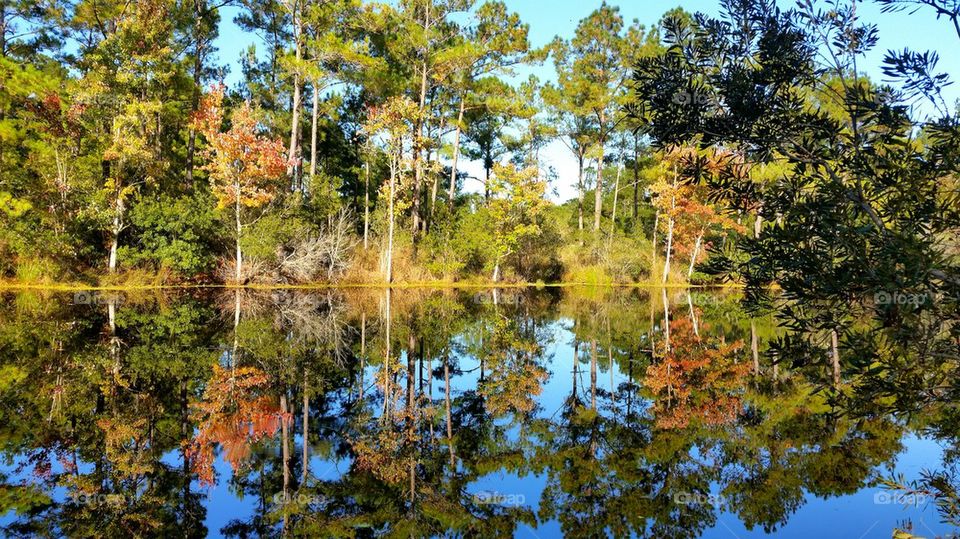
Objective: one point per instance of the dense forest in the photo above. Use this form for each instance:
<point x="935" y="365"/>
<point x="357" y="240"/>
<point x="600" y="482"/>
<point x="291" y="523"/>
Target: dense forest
<point x="702" y="144"/>
<point x="409" y="142"/>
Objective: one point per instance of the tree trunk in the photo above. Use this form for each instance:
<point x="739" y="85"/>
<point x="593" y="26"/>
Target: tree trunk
<point x="237" y="216"/>
<point x="666" y="321"/>
<point x="666" y="262"/>
<point x="693" y="317"/>
<point x="315" y="115"/>
<point x="366" y="205"/>
<point x="285" y="448"/>
<point x="199" y="11"/>
<point x="693" y="258"/>
<point x="387" y="396"/>
<point x="496" y="271"/>
<point x="115" y="230"/>
<point x="456" y="154"/>
<point x="306" y="430"/>
<point x="294" y="153"/>
<point x="636" y="176"/>
<point x="598" y="194"/>
<point x="446" y="399"/>
<point x="656" y="224"/>
<point x="835" y="358"/>
<point x="580" y="193"/>
<point x="613" y="216"/>
<point x="673" y="208"/>
<point x="392" y="219"/>
<point x="486" y="183"/>
<point x="363" y="348"/>
<point x="593" y="374"/>
<point x="754" y="347"/>
<point x="418" y="151"/>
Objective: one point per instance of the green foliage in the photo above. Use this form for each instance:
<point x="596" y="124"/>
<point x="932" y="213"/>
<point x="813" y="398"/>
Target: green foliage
<point x="179" y="233"/>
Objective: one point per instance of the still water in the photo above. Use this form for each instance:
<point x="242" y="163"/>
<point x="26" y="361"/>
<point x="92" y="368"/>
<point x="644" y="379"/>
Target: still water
<point x="526" y="413"/>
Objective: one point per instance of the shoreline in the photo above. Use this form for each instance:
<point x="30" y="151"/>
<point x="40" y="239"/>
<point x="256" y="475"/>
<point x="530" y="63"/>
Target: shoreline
<point x="69" y="287"/>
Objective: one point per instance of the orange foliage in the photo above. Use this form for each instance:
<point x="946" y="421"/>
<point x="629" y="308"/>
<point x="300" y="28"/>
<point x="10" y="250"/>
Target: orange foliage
<point x="233" y="413"/>
<point x="696" y="380"/>
<point x="242" y="163"/>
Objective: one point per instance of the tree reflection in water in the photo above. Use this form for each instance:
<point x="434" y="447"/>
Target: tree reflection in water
<point x="371" y="412"/>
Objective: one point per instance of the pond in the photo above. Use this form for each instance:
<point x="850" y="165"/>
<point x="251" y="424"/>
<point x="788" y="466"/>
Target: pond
<point x="580" y="412"/>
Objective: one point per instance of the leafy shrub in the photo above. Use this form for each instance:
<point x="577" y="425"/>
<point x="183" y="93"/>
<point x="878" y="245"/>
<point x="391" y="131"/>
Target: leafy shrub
<point x="179" y="233"/>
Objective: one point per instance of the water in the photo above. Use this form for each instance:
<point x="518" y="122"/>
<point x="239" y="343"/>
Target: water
<point x="577" y="412"/>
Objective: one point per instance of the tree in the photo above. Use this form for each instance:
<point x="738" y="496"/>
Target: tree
<point x="390" y="122"/>
<point x="336" y="49"/>
<point x="516" y="204"/>
<point x="489" y="49"/>
<point x="860" y="193"/>
<point x="242" y="164"/>
<point x="592" y="69"/>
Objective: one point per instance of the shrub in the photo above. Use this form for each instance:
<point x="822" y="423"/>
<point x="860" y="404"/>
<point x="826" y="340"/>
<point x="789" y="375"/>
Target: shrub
<point x="179" y="233"/>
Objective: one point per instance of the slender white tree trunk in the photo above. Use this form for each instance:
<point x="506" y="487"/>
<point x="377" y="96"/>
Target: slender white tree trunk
<point x="456" y="154"/>
<point x="673" y="208"/>
<point x="391" y="220"/>
<point x="115" y="230"/>
<point x="693" y="258"/>
<point x="237" y="216"/>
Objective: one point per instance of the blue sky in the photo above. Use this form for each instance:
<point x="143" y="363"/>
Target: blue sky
<point x="549" y="18"/>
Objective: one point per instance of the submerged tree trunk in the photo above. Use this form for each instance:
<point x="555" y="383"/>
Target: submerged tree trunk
<point x="306" y="430"/>
<point x="666" y="321"/>
<point x="693" y="316"/>
<point x="285" y="448"/>
<point x="446" y="400"/>
<point x="593" y="374"/>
